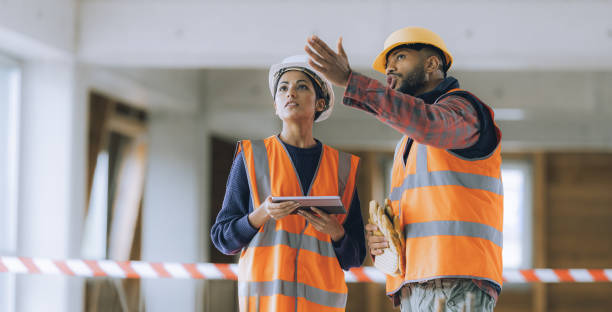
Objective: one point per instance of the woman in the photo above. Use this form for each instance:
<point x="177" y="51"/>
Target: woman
<point x="292" y="260"/>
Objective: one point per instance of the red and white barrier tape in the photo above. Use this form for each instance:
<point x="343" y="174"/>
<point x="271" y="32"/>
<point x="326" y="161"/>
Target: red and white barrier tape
<point x="215" y="271"/>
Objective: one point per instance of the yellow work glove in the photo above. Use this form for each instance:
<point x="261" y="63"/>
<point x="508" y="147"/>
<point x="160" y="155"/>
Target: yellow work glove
<point x="392" y="261"/>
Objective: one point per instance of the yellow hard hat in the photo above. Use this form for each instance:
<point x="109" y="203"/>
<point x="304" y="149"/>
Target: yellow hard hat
<point x="409" y="35"/>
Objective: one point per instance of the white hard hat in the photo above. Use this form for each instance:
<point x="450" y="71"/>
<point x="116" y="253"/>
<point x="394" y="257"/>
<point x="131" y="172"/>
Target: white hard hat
<point x="300" y="62"/>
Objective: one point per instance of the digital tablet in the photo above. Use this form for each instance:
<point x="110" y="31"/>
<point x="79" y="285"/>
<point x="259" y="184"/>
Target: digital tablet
<point x="329" y="204"/>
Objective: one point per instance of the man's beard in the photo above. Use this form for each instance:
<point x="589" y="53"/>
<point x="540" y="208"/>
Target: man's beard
<point x="413" y="81"/>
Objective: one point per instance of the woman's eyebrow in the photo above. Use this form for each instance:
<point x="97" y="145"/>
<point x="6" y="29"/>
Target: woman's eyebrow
<point x="285" y="81"/>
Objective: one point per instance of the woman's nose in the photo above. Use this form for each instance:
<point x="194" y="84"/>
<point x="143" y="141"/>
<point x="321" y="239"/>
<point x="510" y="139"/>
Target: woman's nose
<point x="291" y="92"/>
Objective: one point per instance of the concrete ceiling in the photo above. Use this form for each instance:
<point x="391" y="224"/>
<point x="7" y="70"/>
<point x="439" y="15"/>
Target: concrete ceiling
<point x="482" y="35"/>
<point x="550" y="61"/>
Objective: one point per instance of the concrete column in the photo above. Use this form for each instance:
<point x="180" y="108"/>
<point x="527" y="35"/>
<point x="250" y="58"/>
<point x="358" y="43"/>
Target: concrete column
<point x="51" y="191"/>
<point x="173" y="215"/>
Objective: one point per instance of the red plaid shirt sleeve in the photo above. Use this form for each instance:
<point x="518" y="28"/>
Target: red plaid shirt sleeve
<point x="451" y="123"/>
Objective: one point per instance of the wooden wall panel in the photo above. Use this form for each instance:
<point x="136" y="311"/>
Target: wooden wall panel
<point x="220" y="296"/>
<point x="222" y="157"/>
<point x="590" y="297"/>
<point x="540" y="227"/>
<point x="580" y="226"/>
<point x="513" y="300"/>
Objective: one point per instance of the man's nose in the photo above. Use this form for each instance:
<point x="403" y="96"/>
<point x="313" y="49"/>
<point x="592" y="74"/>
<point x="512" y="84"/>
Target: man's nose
<point x="390" y="69"/>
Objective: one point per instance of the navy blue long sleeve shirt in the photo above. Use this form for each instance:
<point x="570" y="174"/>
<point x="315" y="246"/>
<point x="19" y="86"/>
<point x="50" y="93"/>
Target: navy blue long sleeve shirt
<point x="232" y="230"/>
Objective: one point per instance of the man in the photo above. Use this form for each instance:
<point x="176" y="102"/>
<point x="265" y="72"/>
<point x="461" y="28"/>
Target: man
<point x="446" y="178"/>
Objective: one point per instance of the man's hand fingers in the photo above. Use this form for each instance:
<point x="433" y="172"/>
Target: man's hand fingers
<point x="381" y="245"/>
<point x="316" y="56"/>
<point x="322" y="47"/>
<point x="341" y="49"/>
<point x="319" y="47"/>
<point x="371" y="227"/>
<point x="312" y="48"/>
<point x="376" y="252"/>
<point x="377" y="245"/>
<point x="313" y="57"/>
<point x="376" y="239"/>
<point x="310" y="52"/>
<point x="317" y="67"/>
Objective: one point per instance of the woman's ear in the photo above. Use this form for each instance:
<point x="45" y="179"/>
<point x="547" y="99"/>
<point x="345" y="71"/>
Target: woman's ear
<point x="320" y="105"/>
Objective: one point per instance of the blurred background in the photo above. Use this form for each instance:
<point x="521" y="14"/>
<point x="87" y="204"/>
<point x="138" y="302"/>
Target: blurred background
<point x="119" y="118"/>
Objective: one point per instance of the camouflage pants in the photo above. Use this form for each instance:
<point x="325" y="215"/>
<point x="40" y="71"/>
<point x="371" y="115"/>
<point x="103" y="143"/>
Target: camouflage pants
<point x="424" y="297"/>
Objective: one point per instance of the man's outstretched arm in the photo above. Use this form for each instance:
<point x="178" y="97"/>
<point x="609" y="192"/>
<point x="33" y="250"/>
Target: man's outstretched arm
<point x="450" y="124"/>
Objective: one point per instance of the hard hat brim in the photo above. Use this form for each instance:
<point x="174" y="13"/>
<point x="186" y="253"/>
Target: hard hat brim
<point x="380" y="61"/>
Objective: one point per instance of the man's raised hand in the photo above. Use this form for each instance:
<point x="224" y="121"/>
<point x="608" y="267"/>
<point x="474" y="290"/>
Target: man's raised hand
<point x="334" y="66"/>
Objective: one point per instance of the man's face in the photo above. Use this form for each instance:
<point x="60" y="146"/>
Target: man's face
<point x="406" y="70"/>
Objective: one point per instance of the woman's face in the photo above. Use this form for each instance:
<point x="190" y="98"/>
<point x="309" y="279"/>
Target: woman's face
<point x="296" y="98"/>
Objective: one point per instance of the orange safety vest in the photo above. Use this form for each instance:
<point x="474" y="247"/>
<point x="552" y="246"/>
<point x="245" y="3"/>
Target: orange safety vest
<point x="288" y="265"/>
<point x="451" y="211"/>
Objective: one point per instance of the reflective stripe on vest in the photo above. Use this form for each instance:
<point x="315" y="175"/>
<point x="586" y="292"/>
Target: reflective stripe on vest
<point x="454" y="228"/>
<point x="262" y="170"/>
<point x="423" y="178"/>
<point x="271" y="237"/>
<point x="291" y="289"/>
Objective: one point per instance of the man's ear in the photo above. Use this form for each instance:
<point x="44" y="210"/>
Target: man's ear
<point x="432" y="63"/>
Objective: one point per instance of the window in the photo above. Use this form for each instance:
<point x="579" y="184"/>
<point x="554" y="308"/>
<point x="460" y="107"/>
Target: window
<point x="95" y="232"/>
<point x="10" y="77"/>
<point x="516" y="176"/>
<point x="117" y="161"/>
